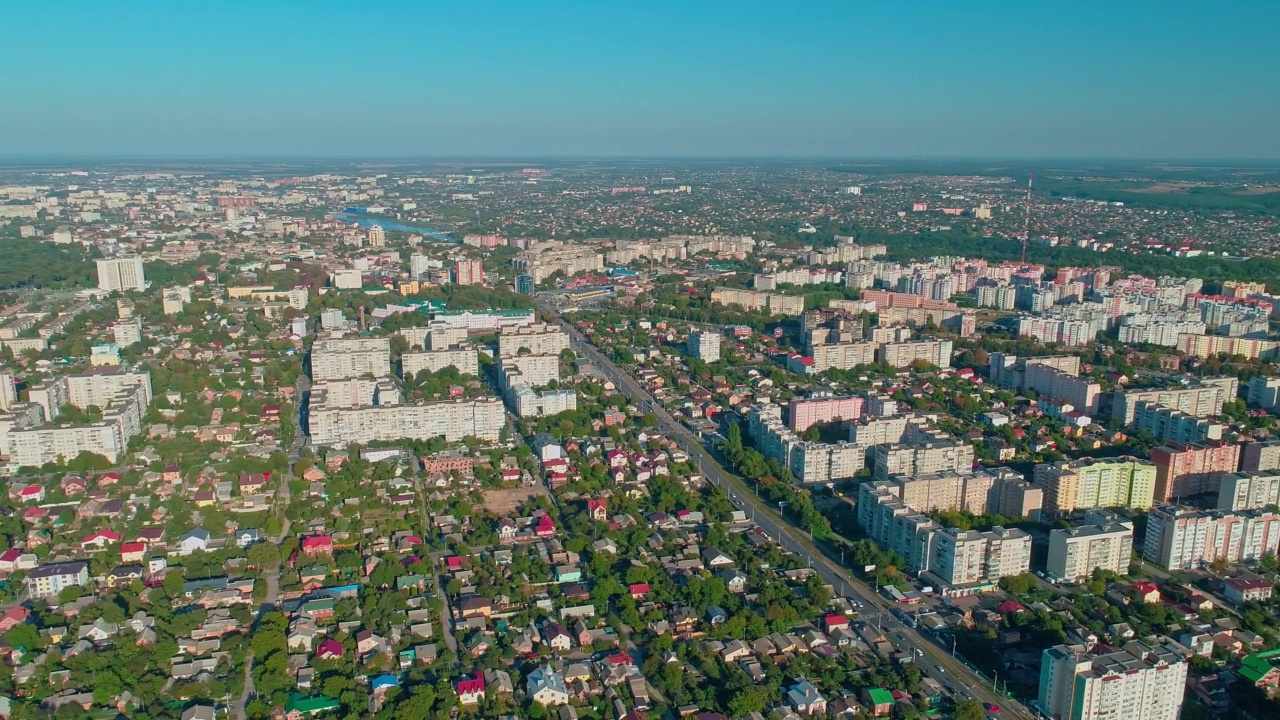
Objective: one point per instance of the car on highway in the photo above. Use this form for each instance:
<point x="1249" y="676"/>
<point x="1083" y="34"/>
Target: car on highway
<point x="992" y="708"/>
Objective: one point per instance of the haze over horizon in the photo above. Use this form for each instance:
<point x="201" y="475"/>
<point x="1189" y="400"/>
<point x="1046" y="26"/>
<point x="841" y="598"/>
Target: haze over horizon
<point x="651" y="80"/>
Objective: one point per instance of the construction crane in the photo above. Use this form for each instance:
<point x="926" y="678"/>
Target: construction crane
<point x="1026" y="225"/>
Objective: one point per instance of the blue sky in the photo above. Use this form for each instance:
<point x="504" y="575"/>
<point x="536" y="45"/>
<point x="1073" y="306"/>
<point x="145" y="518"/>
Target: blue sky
<point x="1128" y="78"/>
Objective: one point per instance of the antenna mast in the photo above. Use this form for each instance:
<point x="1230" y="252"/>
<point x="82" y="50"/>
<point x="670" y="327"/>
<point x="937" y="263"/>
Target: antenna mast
<point x="1026" y="226"/>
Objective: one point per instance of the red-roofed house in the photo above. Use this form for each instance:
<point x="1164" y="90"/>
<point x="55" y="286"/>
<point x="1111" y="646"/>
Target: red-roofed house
<point x="314" y="545"/>
<point x="329" y="649"/>
<point x="108" y="479"/>
<point x="1148" y="591"/>
<point x="1009" y="606"/>
<point x="100" y="539"/>
<point x="471" y="690"/>
<point x="639" y="591"/>
<point x="131" y="552"/>
<point x="12" y="618"/>
<point x="617" y="459"/>
<point x="31" y="493"/>
<point x="833" y="621"/>
<point x="598" y="509"/>
<point x="546" y="527"/>
<point x="9" y="560"/>
<point x="1241" y="590"/>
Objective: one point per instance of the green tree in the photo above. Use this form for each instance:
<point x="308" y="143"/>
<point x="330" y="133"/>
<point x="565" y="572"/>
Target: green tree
<point x="970" y="709"/>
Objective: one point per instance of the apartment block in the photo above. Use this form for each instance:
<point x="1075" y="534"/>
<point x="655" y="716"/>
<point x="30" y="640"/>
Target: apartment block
<point x="948" y="490"/>
<point x="976" y="559"/>
<point x="803" y="414"/>
<point x="347" y="279"/>
<point x="532" y="370"/>
<point x="522" y="375"/>
<point x="896" y="527"/>
<point x="1203" y="399"/>
<point x="813" y="463"/>
<point x="1144" y="681"/>
<point x="1249" y="490"/>
<point x="843" y="356"/>
<point x="1105" y="542"/>
<point x="1264" y="392"/>
<point x="366" y="415"/>
<point x="547" y="258"/>
<point x="420" y="265"/>
<point x="127" y="332"/>
<point x="468" y="272"/>
<point x="809" y="462"/>
<point x="1186" y="469"/>
<point x="1203" y="346"/>
<point x="1258" y="456"/>
<point x="751" y="300"/>
<point x="870" y="431"/>
<point x="1166" y="423"/>
<point x="902" y="355"/>
<point x="123" y="415"/>
<point x="1091" y="483"/>
<point x="8" y="391"/>
<point x="538" y="338"/>
<point x="441" y="337"/>
<point x="1061" y="385"/>
<point x="121" y="274"/>
<point x="47" y="581"/>
<point x="527" y="402"/>
<point x="1013" y="497"/>
<point x="465" y="359"/>
<point x="1181" y="538"/>
<point x="1009" y="371"/>
<point x="704" y="345"/>
<point x="921" y="452"/>
<point x="335" y="356"/>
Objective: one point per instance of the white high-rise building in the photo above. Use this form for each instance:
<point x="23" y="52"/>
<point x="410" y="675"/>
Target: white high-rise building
<point x="1183" y="538"/>
<point x="1144" y="681"/>
<point x="334" y="357"/>
<point x="377" y="236"/>
<point x="120" y="274"/>
<point x="127" y="332"/>
<point x="8" y="391"/>
<point x="537" y="339"/>
<point x="1106" y="542"/>
<point x="705" y="345"/>
<point x="420" y="264"/>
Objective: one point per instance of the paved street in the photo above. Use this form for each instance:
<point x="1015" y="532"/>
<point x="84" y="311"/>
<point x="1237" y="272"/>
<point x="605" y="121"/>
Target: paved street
<point x="936" y="663"/>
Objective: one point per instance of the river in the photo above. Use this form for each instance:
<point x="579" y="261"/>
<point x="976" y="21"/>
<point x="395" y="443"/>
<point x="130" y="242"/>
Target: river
<point x="365" y="221"/>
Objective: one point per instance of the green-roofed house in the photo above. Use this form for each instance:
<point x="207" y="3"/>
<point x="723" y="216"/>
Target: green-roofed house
<point x="299" y="707"/>
<point x="319" y="610"/>
<point x="1261" y="673"/>
<point x="411" y="582"/>
<point x="878" y="700"/>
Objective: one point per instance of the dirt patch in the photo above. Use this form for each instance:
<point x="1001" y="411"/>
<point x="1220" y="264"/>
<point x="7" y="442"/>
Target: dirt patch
<point x="505" y="501"/>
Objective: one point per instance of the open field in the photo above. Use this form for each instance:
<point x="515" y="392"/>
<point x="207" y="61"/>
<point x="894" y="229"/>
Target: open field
<point x="505" y="501"/>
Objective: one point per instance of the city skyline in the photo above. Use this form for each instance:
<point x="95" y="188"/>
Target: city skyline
<point x="716" y="80"/>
